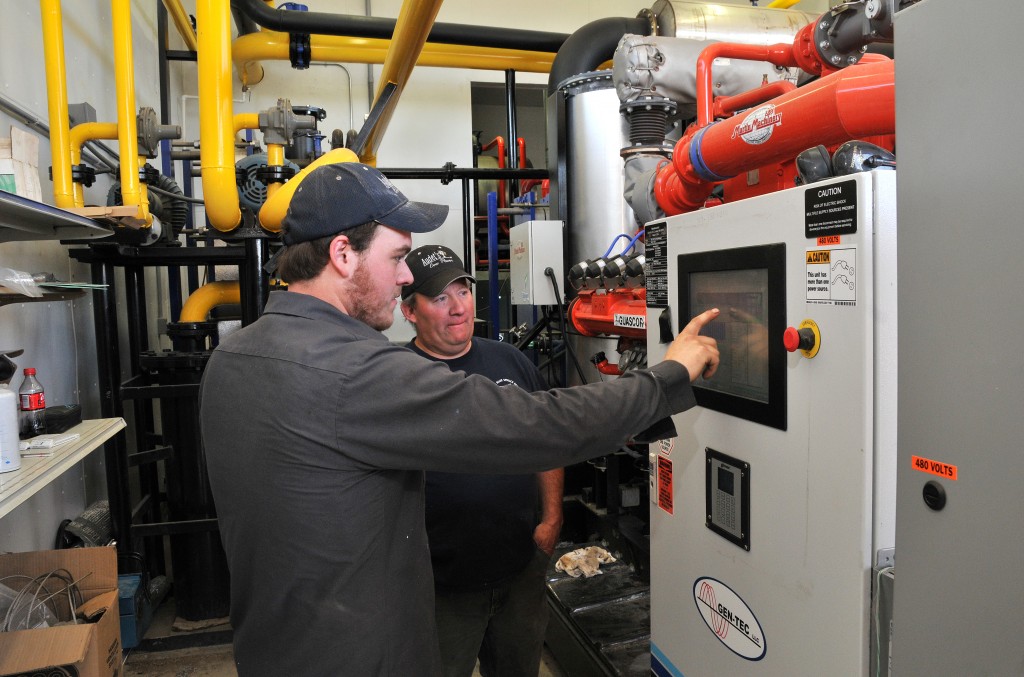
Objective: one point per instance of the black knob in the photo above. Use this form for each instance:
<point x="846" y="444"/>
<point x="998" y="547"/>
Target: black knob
<point x="934" y="495"/>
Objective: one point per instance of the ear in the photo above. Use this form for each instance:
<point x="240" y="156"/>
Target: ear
<point x="409" y="311"/>
<point x="342" y="257"/>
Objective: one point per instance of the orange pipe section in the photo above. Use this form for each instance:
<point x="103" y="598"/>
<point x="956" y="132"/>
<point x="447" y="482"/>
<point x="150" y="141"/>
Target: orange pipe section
<point x="853" y="103"/>
<point x="725" y="106"/>
<point x="778" y="55"/>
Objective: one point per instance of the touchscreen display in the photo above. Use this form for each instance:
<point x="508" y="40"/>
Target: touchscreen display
<point x="741" y="329"/>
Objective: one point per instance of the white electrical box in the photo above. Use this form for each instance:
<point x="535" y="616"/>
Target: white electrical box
<point x="535" y="246"/>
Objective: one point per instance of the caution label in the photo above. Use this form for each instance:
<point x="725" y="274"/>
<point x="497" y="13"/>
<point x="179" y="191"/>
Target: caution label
<point x="931" y="467"/>
<point x="832" y="276"/>
<point x="830" y="210"/>
<point x="665" y="494"/>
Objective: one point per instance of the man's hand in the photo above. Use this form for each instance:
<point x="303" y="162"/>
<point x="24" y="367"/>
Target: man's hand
<point x="546" y="536"/>
<point x="699" y="354"/>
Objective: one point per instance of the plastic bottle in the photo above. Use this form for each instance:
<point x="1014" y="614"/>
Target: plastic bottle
<point x="33" y="406"/>
<point x="10" y="457"/>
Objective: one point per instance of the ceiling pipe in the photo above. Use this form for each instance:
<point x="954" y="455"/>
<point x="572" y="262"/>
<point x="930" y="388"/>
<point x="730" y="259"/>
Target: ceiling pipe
<point x="592" y="45"/>
<point x="321" y="23"/>
<point x="248" y="50"/>
<point x="411" y="30"/>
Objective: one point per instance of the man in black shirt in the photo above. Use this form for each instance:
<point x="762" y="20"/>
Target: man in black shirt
<point x="488" y="550"/>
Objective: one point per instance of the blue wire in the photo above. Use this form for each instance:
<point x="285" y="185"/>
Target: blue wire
<point x="631" y="242"/>
<point x="612" y="245"/>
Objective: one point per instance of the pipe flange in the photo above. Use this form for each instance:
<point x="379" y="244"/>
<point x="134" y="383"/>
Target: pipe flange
<point x="299" y="50"/>
<point x="268" y="174"/>
<point x="835" y="58"/>
<point x="649" y="103"/>
<point x="664" y="150"/>
<point x="586" y="82"/>
<point x="83" y="174"/>
<point x="149" y="174"/>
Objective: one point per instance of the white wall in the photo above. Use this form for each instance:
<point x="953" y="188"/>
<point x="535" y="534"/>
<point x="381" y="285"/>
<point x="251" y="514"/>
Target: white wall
<point x="58" y="337"/>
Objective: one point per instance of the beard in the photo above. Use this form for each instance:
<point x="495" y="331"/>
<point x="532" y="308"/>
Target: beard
<point x="369" y="305"/>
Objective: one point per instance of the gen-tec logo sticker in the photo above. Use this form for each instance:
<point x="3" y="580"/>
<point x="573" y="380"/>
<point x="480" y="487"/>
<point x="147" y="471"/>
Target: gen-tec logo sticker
<point x="757" y="127"/>
<point x="729" y="618"/>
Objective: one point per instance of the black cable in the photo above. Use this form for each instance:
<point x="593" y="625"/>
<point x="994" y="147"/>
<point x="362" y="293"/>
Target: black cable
<point x="176" y="196"/>
<point x="561" y="319"/>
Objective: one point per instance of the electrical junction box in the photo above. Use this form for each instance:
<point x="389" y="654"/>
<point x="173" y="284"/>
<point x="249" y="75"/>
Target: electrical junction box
<point x="534" y="247"/>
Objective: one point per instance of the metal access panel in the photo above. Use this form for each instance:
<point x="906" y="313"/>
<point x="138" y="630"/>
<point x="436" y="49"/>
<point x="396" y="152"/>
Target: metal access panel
<point x="763" y="566"/>
<point x="535" y="246"/>
<point x="959" y="589"/>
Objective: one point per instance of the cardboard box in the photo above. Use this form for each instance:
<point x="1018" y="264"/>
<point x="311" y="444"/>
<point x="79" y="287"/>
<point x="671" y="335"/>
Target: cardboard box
<point x="86" y="649"/>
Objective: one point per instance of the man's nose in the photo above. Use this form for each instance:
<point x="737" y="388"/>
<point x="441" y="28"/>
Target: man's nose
<point x="404" y="274"/>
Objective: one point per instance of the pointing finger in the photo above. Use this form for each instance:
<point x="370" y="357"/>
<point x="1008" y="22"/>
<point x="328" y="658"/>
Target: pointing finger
<point x="698" y="322"/>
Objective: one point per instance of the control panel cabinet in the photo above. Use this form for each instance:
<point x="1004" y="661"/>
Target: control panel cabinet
<point x="768" y="508"/>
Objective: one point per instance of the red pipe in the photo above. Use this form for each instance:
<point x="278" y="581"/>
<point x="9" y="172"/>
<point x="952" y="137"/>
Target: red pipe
<point x="498" y="141"/>
<point x="622" y="312"/>
<point x="725" y="106"/>
<point x="849" y="104"/>
<point x="780" y="55"/>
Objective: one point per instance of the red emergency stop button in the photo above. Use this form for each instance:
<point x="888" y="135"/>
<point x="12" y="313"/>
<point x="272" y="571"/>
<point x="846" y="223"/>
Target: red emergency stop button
<point x="806" y="338"/>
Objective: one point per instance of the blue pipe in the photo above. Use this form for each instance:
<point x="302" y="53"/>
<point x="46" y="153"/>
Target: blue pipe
<point x="493" y="282"/>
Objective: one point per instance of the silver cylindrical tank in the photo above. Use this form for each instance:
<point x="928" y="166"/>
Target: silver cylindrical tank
<point x="597" y="212"/>
<point x="730" y="23"/>
<point x="596" y="132"/>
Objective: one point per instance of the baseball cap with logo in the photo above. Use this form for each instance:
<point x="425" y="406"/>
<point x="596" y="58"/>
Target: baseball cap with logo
<point x="335" y="197"/>
<point x="433" y="268"/>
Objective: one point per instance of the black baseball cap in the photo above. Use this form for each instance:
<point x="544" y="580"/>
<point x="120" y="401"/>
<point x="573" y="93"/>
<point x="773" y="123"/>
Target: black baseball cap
<point x="335" y="197"/>
<point x="433" y="268"/>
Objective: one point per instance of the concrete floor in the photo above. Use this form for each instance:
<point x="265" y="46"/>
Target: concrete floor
<point x="157" y="655"/>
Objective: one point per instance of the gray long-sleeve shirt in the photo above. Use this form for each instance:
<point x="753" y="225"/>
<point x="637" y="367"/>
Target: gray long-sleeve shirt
<point x="317" y="431"/>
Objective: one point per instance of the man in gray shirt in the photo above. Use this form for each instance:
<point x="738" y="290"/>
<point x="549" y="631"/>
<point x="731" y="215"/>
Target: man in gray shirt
<point x="317" y="431"/>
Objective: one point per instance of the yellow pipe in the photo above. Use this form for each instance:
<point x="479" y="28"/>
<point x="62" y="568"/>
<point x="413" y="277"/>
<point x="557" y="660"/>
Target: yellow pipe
<point x="242" y="121"/>
<point x="274" y="209"/>
<point x="87" y="131"/>
<point x="411" y="29"/>
<point x="182" y="23"/>
<point x="248" y="50"/>
<point x="132" y="190"/>
<point x="782" y="4"/>
<point x="275" y="158"/>
<point x="57" y="102"/>
<point x="207" y="297"/>
<point x="217" y="150"/>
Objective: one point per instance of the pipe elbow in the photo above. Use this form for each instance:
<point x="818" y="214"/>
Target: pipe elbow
<point x="199" y="304"/>
<point x="221" y="198"/>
